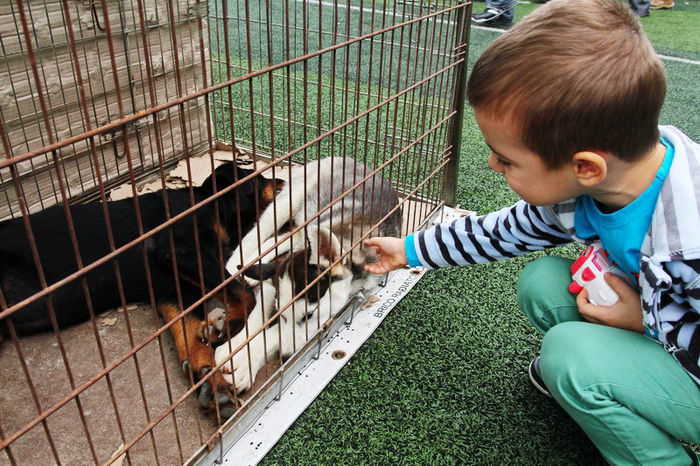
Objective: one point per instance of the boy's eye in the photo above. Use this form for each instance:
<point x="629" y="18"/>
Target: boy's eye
<point x="502" y="161"/>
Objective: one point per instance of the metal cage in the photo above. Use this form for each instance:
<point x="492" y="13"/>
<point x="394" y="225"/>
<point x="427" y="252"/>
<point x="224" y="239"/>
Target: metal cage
<point x="138" y="102"/>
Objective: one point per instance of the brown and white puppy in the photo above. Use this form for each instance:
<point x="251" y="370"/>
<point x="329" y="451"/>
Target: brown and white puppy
<point x="286" y="316"/>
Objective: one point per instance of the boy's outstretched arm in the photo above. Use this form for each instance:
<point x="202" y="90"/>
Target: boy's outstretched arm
<point x="391" y="254"/>
<point x="505" y="233"/>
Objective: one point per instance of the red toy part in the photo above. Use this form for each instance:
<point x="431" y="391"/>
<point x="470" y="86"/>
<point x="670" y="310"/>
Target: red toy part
<point x="588" y="275"/>
<point x="575" y="288"/>
<point x="577" y="264"/>
<point x="582" y="258"/>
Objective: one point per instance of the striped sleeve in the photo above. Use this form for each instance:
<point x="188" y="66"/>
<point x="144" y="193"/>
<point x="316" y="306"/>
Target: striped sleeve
<point x="680" y="317"/>
<point x="506" y="233"/>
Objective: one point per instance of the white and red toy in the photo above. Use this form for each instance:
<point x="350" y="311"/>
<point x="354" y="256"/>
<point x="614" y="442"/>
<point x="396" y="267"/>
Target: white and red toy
<point x="588" y="271"/>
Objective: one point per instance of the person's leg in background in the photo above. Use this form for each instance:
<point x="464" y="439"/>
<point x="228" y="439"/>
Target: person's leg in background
<point x="498" y="13"/>
<point x="641" y="7"/>
<point x="629" y="395"/>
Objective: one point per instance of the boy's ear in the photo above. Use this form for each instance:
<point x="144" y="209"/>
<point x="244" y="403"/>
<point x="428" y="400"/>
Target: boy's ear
<point x="590" y="168"/>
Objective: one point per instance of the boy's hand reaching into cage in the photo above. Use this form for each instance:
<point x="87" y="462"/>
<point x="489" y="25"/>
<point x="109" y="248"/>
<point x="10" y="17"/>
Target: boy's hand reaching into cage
<point x="391" y="254"/>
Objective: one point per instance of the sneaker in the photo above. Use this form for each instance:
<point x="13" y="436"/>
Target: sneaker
<point x="491" y="17"/>
<point x="533" y="370"/>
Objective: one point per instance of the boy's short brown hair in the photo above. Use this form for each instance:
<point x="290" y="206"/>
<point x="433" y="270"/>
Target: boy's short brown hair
<point x="574" y="75"/>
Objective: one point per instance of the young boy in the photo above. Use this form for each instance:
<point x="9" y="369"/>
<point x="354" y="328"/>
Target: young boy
<point x="568" y="102"/>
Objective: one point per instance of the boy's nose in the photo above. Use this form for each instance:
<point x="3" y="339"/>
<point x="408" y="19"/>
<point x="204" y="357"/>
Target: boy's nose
<point x="493" y="163"/>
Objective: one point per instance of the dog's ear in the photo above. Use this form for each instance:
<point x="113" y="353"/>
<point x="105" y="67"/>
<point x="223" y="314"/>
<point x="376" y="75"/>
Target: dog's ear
<point x="261" y="272"/>
<point x="269" y="189"/>
<point x="325" y="247"/>
<point x="224" y="177"/>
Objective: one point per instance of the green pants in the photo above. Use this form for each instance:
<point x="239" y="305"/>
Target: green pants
<point x="633" y="400"/>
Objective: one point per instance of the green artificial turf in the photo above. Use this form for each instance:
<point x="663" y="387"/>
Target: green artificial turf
<point x="673" y="32"/>
<point x="443" y="380"/>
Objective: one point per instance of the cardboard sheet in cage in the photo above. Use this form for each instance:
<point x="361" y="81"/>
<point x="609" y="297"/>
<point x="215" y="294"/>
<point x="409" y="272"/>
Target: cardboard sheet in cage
<point x="197" y="169"/>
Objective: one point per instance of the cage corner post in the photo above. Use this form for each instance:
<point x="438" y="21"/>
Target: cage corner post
<point x="460" y="89"/>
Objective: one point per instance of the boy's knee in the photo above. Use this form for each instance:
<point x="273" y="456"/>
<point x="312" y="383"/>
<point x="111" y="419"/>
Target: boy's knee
<point x="535" y="277"/>
<point x="572" y="356"/>
<point x="543" y="293"/>
<point x="564" y="340"/>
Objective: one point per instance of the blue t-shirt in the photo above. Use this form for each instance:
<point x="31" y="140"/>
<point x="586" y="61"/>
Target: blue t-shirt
<point x="622" y="231"/>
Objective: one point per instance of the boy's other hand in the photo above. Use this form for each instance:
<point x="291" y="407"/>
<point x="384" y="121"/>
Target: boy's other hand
<point x="391" y="254"/>
<point x="626" y="313"/>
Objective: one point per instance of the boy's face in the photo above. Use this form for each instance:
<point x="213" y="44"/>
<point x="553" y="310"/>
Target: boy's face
<point x="524" y="170"/>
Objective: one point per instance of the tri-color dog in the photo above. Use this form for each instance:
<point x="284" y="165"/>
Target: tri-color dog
<point x="185" y="257"/>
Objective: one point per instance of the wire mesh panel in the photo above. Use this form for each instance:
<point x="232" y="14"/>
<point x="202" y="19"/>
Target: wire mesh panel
<point x="361" y="79"/>
<point x="186" y="191"/>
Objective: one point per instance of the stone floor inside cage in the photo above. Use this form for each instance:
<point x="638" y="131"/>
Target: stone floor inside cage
<point x="181" y="433"/>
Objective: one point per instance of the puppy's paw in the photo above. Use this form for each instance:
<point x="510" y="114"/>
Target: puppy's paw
<point x="239" y="370"/>
<point x="212" y="329"/>
<point x="215" y="393"/>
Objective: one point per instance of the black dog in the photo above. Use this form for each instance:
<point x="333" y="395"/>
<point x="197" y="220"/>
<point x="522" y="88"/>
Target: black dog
<point x="217" y="223"/>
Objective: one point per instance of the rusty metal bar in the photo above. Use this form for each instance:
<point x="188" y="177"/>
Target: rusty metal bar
<point x="108" y="223"/>
<point x="160" y="155"/>
<point x="403" y="173"/>
<point x="3" y="304"/>
<point x="460" y="86"/>
<point x="58" y="166"/>
<point x="418" y="211"/>
<point x="8" y="450"/>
